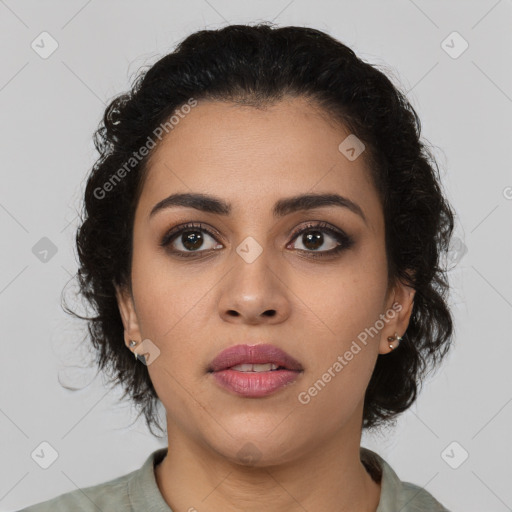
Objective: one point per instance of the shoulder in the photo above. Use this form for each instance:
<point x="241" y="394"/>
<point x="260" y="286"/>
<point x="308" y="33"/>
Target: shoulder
<point x="416" y="499"/>
<point x="395" y="493"/>
<point x="127" y="492"/>
<point x="137" y="490"/>
<point x="111" y="495"/>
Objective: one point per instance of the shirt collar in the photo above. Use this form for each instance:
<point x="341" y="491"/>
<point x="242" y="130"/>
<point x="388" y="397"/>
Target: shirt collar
<point x="143" y="490"/>
<point x="381" y="471"/>
<point x="145" y="494"/>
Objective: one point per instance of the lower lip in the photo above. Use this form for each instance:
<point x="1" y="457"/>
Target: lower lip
<point x="255" y="384"/>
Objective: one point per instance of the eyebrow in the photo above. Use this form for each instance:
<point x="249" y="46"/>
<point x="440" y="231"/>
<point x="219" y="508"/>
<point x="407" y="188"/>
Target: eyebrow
<point x="211" y="204"/>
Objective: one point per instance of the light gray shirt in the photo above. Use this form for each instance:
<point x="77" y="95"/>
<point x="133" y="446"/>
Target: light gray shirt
<point x="138" y="491"/>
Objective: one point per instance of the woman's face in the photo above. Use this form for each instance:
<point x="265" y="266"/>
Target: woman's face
<point x="245" y="277"/>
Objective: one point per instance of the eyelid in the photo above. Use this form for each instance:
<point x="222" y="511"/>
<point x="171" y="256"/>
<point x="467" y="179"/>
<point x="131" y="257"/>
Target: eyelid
<point x="317" y="224"/>
<point x="344" y="240"/>
<point x="188" y="225"/>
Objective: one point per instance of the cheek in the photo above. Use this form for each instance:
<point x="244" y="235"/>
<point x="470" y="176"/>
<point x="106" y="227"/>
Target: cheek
<point x="174" y="311"/>
<point x="345" y="311"/>
<point x="351" y="296"/>
<point x="168" y="295"/>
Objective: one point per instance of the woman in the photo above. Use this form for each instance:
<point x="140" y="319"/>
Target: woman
<point x="265" y="228"/>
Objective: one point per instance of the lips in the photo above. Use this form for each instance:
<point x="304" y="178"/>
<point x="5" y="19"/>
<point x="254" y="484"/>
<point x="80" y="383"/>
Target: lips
<point x="254" y="371"/>
<point x="254" y="354"/>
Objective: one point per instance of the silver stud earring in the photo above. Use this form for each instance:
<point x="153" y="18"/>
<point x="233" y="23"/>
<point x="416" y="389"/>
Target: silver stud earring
<point x="133" y="343"/>
<point x="393" y="338"/>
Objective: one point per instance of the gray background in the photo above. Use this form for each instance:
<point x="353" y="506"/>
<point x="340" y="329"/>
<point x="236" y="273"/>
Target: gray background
<point x="50" y="108"/>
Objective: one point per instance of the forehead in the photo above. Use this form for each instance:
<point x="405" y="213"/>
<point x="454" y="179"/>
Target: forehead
<point x="252" y="157"/>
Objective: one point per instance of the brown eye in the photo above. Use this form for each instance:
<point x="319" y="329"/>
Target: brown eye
<point x="315" y="236"/>
<point x="315" y="239"/>
<point x="190" y="239"/>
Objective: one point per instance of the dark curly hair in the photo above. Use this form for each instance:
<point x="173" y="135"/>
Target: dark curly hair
<point x="258" y="65"/>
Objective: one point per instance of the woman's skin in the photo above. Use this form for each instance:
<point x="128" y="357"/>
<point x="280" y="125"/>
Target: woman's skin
<point x="304" y="456"/>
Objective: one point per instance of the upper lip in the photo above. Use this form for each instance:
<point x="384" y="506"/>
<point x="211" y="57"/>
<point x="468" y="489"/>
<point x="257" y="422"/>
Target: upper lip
<point x="255" y="354"/>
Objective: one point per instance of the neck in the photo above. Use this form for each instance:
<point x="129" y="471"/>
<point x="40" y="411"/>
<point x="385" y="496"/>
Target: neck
<point x="327" y="476"/>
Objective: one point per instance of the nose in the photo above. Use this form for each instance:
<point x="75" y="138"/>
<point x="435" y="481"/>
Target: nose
<point x="254" y="293"/>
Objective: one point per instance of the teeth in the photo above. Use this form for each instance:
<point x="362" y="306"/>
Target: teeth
<point x="255" y="367"/>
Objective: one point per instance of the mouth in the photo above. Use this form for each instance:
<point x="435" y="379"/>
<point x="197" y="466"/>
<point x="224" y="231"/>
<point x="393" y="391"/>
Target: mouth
<point x="254" y="358"/>
<point x="248" y="367"/>
<point x="254" y="371"/>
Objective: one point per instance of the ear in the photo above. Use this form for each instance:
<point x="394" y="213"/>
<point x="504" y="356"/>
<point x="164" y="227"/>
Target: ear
<point x="400" y="301"/>
<point x="128" y="315"/>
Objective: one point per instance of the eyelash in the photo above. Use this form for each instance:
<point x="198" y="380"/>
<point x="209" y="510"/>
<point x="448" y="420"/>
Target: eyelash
<point x="342" y="238"/>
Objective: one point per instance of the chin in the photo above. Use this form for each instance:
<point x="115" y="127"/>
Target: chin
<point x="258" y="450"/>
